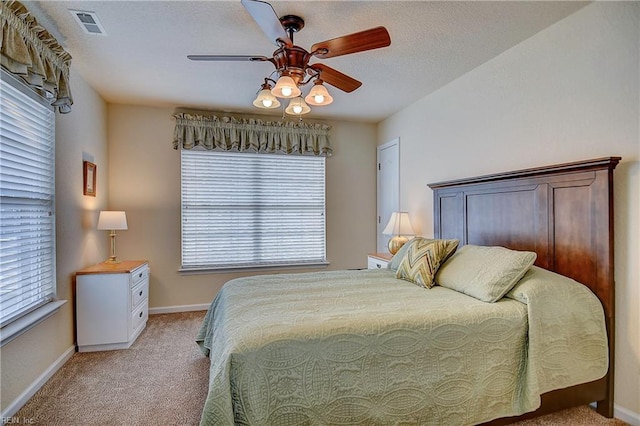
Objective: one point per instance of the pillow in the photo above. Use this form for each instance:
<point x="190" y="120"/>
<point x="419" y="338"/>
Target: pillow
<point x="394" y="263"/>
<point x="422" y="258"/>
<point x="486" y="273"/>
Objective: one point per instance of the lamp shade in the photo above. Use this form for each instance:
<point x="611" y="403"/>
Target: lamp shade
<point x="297" y="106"/>
<point x="399" y="224"/>
<point x="318" y="96"/>
<point x="286" y="88"/>
<point x="112" y="220"/>
<point x="266" y="100"/>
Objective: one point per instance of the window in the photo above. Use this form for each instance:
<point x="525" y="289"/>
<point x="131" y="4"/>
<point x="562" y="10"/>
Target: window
<point x="27" y="220"/>
<point x="244" y="210"/>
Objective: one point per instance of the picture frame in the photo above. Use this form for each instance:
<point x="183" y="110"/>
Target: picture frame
<point x="89" y="178"/>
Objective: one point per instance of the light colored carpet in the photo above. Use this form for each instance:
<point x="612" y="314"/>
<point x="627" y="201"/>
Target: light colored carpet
<point x="162" y="380"/>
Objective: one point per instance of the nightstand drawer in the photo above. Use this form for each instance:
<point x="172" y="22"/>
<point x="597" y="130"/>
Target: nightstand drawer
<point x="140" y="316"/>
<point x="378" y="260"/>
<point x="377" y="264"/>
<point x="138" y="275"/>
<point x="139" y="293"/>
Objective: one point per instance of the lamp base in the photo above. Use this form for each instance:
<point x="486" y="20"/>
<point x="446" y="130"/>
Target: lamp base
<point x="396" y="242"/>
<point x="112" y="249"/>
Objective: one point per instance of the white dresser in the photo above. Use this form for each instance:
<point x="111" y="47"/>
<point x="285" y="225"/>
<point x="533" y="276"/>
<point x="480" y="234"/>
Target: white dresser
<point x="112" y="305"/>
<point x="378" y="260"/>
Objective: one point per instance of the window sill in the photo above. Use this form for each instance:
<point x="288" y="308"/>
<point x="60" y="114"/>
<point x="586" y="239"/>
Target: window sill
<point x="221" y="270"/>
<point x="25" y="323"/>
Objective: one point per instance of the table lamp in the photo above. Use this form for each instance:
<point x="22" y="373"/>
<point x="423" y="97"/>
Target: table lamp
<point x="112" y="221"/>
<point x="400" y="227"/>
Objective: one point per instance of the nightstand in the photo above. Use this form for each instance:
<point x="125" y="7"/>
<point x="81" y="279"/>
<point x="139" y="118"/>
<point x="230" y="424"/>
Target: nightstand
<point x="378" y="260"/>
<point x="112" y="305"/>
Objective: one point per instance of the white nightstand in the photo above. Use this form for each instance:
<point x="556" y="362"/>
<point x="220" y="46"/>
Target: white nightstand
<point x="378" y="260"/>
<point x="112" y="305"/>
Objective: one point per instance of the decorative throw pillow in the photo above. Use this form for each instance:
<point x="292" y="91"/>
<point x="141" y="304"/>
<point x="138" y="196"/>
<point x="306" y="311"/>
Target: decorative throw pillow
<point x="486" y="273"/>
<point x="422" y="259"/>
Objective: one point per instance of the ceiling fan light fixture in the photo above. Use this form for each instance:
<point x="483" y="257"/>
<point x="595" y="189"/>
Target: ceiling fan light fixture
<point x="292" y="62"/>
<point x="297" y="106"/>
<point x="265" y="99"/>
<point x="286" y="88"/>
<point x="319" y="95"/>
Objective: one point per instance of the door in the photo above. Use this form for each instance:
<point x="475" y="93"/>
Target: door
<point x="388" y="188"/>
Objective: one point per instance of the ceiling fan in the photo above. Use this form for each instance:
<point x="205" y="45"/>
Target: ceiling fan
<point x="292" y="62"/>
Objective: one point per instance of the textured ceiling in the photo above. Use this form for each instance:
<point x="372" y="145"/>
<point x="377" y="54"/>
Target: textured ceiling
<point x="142" y="59"/>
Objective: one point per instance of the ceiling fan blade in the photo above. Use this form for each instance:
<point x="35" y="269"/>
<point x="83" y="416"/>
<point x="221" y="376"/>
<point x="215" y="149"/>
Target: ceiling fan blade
<point x="373" y="38"/>
<point x="336" y="78"/>
<point x="227" y="58"/>
<point x="267" y="19"/>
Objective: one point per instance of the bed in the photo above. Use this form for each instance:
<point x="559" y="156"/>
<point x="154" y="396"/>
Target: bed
<point x="364" y="347"/>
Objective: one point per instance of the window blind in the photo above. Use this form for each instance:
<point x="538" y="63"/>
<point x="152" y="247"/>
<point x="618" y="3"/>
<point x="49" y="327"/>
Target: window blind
<point x="27" y="221"/>
<point x="252" y="210"/>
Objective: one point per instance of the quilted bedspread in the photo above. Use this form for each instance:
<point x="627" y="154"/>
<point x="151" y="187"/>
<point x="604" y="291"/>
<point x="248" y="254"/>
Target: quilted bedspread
<point x="362" y="347"/>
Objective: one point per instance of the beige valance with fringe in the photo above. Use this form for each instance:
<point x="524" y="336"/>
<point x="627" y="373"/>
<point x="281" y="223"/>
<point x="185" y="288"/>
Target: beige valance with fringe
<point x="250" y="135"/>
<point x="28" y="51"/>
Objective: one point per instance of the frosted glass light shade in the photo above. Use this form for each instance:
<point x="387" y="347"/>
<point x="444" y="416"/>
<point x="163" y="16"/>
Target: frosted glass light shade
<point x="286" y="88"/>
<point x="319" y="95"/>
<point x="266" y="100"/>
<point x="399" y="224"/>
<point x="112" y="220"/>
<point x="297" y="106"/>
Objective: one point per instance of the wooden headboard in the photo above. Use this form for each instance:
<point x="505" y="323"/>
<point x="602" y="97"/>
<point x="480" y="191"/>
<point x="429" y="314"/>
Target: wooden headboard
<point x="563" y="212"/>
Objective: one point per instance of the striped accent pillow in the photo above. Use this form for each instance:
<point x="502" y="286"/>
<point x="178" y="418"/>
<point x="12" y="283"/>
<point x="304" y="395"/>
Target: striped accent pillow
<point x="422" y="260"/>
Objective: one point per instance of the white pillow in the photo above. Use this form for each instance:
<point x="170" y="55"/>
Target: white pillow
<point x="486" y="273"/>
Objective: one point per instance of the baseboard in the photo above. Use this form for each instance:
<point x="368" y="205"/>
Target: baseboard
<point x="625" y="415"/>
<point x="37" y="384"/>
<point x="179" y="308"/>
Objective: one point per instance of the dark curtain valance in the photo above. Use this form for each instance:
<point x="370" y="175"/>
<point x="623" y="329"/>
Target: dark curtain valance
<point x="28" y="51"/>
<point x="250" y="134"/>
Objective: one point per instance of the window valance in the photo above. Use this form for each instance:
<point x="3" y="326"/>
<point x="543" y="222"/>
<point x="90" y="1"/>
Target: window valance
<point x="250" y="134"/>
<point x="28" y="51"/>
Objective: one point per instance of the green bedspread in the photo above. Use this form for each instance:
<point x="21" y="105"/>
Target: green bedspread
<point x="362" y="347"/>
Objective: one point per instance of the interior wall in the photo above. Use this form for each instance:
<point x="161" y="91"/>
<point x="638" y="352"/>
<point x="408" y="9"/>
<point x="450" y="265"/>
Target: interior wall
<point x="80" y="135"/>
<point x="569" y="93"/>
<point x="144" y="180"/>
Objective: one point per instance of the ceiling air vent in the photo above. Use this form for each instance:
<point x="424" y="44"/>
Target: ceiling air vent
<point x="88" y="21"/>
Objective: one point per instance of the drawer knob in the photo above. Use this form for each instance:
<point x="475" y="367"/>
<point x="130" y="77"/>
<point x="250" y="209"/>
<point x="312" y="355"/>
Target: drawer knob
<point x="140" y="315"/>
<point x="140" y="275"/>
<point x="140" y="293"/>
<point x="378" y="265"/>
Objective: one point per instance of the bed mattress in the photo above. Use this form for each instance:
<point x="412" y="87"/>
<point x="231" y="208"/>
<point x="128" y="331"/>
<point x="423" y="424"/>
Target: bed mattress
<point x="362" y="347"/>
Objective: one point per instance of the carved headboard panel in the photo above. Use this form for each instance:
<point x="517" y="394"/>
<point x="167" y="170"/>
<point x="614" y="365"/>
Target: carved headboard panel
<point x="563" y="212"/>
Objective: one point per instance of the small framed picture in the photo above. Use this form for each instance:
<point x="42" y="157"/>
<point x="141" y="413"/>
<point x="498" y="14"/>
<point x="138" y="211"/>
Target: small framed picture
<point x="89" y="178"/>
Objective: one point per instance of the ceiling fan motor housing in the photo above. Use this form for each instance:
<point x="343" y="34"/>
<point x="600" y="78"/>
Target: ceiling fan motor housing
<point x="291" y="61"/>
